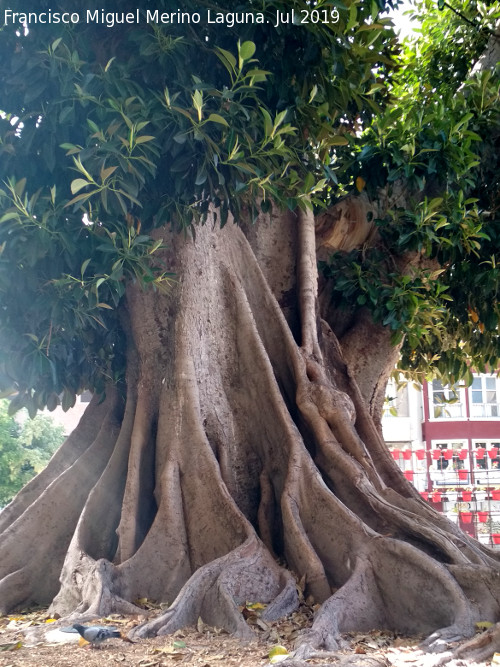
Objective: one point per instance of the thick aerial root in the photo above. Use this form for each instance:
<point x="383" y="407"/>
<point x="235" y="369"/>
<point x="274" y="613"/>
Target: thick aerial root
<point x="98" y="586"/>
<point x="439" y="641"/>
<point x="481" y="585"/>
<point x="353" y="604"/>
<point x="393" y="585"/>
<point x="481" y="647"/>
<point x="214" y="592"/>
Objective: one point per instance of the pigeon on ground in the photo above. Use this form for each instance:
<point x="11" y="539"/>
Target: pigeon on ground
<point x="95" y="634"/>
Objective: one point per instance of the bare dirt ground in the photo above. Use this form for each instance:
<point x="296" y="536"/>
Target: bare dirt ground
<point x="34" y="640"/>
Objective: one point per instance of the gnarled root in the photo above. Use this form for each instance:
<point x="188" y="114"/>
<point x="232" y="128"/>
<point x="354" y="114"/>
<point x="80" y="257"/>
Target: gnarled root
<point x="481" y="647"/>
<point x="214" y="592"/>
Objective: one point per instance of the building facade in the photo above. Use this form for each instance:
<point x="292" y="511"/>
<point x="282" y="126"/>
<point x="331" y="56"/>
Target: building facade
<point x="449" y="448"/>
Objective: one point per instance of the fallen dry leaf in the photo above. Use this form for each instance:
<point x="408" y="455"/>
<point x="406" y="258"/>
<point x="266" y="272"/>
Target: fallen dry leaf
<point x="204" y="646"/>
<point x="10" y="647"/>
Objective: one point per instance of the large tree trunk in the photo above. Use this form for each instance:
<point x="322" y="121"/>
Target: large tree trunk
<point x="243" y="443"/>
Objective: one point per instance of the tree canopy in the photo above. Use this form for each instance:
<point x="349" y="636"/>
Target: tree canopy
<point x="110" y="132"/>
<point x="164" y="122"/>
<point x="436" y="146"/>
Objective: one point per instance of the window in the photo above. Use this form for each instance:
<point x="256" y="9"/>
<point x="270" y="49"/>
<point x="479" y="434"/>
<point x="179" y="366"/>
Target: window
<point x="449" y="463"/>
<point x="446" y="401"/>
<point x="486" y="455"/>
<point x="486" y="461"/>
<point x="484" y="397"/>
<point x="450" y="458"/>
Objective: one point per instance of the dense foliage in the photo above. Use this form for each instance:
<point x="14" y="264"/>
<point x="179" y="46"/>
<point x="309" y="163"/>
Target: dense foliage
<point x="433" y="276"/>
<point x="26" y="446"/>
<point x="109" y="133"/>
<point x="137" y="126"/>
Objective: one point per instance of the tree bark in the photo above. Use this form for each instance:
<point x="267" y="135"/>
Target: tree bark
<point x="241" y="455"/>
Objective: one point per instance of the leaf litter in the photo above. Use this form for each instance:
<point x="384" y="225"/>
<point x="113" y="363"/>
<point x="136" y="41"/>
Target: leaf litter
<point x="203" y="646"/>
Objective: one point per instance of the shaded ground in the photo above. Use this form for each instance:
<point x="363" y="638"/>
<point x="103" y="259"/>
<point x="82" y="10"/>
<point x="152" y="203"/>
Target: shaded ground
<point x="201" y="646"/>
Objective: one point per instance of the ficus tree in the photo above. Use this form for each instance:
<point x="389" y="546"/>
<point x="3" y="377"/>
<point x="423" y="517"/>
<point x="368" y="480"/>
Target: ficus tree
<point x="169" y="192"/>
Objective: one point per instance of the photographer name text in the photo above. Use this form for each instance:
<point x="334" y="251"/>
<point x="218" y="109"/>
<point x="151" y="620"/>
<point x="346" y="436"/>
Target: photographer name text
<point x="229" y="19"/>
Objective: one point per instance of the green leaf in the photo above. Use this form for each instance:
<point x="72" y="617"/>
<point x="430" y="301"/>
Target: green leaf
<point x="79" y="198"/>
<point x="338" y="140"/>
<point x="215" y="118"/>
<point x="68" y="399"/>
<point x="280" y="117"/>
<point x="78" y="184"/>
<point x="201" y="176"/>
<point x="268" y="123"/>
<point x="108" y="64"/>
<point x="371" y="26"/>
<point x="265" y="206"/>
<point x="144" y="138"/>
<point x="353" y="17"/>
<point x="19" y="187"/>
<point x="157" y="244"/>
<point x="79" y="166"/>
<point x="246" y="51"/>
<point x="84" y="266"/>
<point x="11" y="215"/>
<point x="128" y="122"/>
<point x="198" y="102"/>
<point x="224" y="210"/>
<point x="227" y="59"/>
<point x="106" y="173"/>
<point x="95" y="128"/>
<point x="71" y="149"/>
<point x="376" y="88"/>
<point x="258" y="74"/>
<point x="142" y="238"/>
<point x="180" y="138"/>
